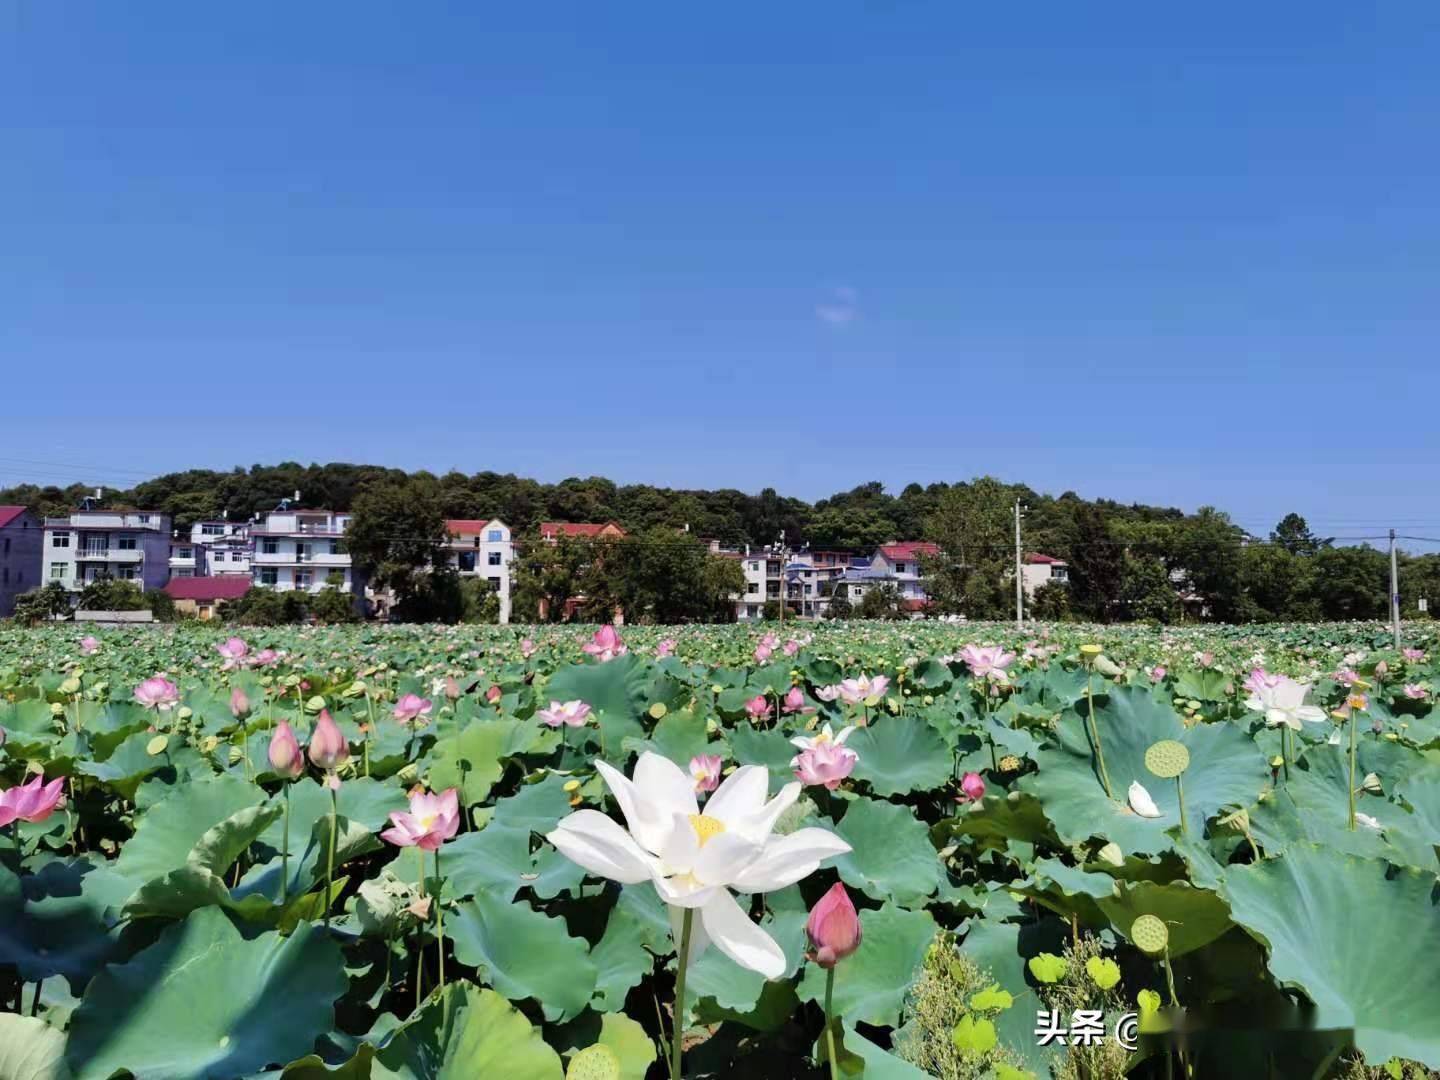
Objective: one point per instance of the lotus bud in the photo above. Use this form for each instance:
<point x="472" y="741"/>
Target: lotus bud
<point x="285" y="757"/>
<point x="1371" y="784"/>
<point x="57" y="709"/>
<point x="1382" y="669"/>
<point x="972" y="787"/>
<point x="1106" y="666"/>
<point x="1111" y="854"/>
<point x="452" y="688"/>
<point x="328" y="748"/>
<point x="354" y="690"/>
<point x="239" y="703"/>
<point x="833" y="928"/>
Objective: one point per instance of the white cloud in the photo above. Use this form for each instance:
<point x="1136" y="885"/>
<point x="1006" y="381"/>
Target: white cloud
<point x="840" y="307"/>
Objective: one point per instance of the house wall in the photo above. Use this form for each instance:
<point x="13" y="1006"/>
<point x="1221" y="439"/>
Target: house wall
<point x="21" y="547"/>
<point x="471" y="554"/>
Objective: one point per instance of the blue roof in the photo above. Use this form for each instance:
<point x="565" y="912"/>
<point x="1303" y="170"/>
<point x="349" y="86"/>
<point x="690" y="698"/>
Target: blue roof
<point x="866" y="574"/>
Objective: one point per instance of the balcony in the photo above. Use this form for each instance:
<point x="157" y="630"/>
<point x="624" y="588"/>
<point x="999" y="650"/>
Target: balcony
<point x="300" y="558"/>
<point x="115" y="555"/>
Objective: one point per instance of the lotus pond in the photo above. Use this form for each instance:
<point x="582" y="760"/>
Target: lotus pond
<point x="480" y="851"/>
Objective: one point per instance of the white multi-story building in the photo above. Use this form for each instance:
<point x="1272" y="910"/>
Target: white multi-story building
<point x="93" y="545"/>
<point x="1037" y="570"/>
<point x="213" y="549"/>
<point x="302" y="549"/>
<point x="483" y="549"/>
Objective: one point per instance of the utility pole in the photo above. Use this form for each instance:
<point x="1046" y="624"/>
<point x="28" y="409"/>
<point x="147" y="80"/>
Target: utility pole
<point x="782" y="581"/>
<point x="1019" y="584"/>
<point x="1394" y="590"/>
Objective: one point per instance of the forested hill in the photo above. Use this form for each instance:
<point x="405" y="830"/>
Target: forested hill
<point x="857" y="519"/>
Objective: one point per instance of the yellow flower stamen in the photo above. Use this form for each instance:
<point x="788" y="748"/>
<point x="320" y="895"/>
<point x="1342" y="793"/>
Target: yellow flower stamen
<point x="706" y="827"/>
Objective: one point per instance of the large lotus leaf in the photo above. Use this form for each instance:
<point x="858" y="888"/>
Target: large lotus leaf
<point x="616" y="693"/>
<point x="770" y="748"/>
<point x="524" y="954"/>
<point x="203" y="1001"/>
<point x="31" y="1049"/>
<point x="1226" y="769"/>
<point x="200" y="881"/>
<point x="535" y="808"/>
<point x="1067" y="890"/>
<point x="1002" y="950"/>
<point x="626" y="1039"/>
<point x="1421" y="792"/>
<point x="1204" y="684"/>
<point x="899" y="754"/>
<point x="999" y="819"/>
<point x="466" y="1033"/>
<point x="61" y="919"/>
<point x="870" y="986"/>
<point x="171" y="828"/>
<point x="365" y="801"/>
<point x="497" y="860"/>
<point x="679" y="736"/>
<point x="1358" y="938"/>
<point x="1194" y="917"/>
<point x="1312" y="805"/>
<point x="877" y="1063"/>
<point x="719" y="988"/>
<point x="891" y="857"/>
<point x="473" y="761"/>
<point x="621" y="960"/>
<point x="131" y="762"/>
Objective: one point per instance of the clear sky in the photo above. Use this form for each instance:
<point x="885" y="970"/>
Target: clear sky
<point x="1183" y="254"/>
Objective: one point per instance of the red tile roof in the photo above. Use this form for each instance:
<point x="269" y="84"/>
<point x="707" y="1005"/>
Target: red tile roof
<point x="208" y="588"/>
<point x="466" y="526"/>
<point x="587" y="529"/>
<point x="909" y="549"/>
<point x="914" y="605"/>
<point x="9" y="514"/>
<point x="1035" y="559"/>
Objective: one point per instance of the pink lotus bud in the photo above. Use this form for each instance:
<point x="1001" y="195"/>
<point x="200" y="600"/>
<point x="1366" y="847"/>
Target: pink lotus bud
<point x="1382" y="669"/>
<point x="493" y="694"/>
<point x="328" y="748"/>
<point x="452" y="688"/>
<point x="89" y="644"/>
<point x="239" y="703"/>
<point x="833" y="928"/>
<point x="705" y="771"/>
<point x="285" y="756"/>
<point x="972" y="787"/>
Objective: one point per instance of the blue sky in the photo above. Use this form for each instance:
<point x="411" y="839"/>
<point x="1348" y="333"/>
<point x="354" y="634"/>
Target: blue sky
<point x="1179" y="255"/>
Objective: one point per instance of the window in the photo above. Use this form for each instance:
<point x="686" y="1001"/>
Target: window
<point x="270" y="546"/>
<point x="899" y="568"/>
<point x="494" y="558"/>
<point x="57" y="570"/>
<point x="60" y="540"/>
<point x="752" y="588"/>
<point x="495" y="536"/>
<point x="334" y="547"/>
<point x="185" y="571"/>
<point x="302" y="552"/>
<point x="127" y="573"/>
<point x="269" y="575"/>
<point x="125" y="542"/>
<point x="303" y="578"/>
<point x="494" y="584"/>
<point x="144" y="519"/>
<point x="212" y="530"/>
<point x="184" y="553"/>
<point x="467" y="562"/>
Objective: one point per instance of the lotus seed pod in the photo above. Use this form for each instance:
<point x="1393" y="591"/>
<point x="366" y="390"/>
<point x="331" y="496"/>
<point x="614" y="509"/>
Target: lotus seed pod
<point x="70" y="686"/>
<point x="315" y="704"/>
<point x="409" y="774"/>
<point x="1150" y="935"/>
<point x="596" y="1062"/>
<point x="1167" y="758"/>
<point x="658" y="711"/>
<point x="57" y="709"/>
<point x="354" y="690"/>
<point x="1009" y="763"/>
<point x="1089" y="651"/>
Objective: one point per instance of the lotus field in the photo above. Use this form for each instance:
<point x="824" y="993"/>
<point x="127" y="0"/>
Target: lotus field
<point x="877" y="850"/>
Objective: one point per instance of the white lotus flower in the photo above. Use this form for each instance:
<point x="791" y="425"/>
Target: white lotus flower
<point x="825" y="737"/>
<point x="1141" y="802"/>
<point x="1284" y="703"/>
<point x="1366" y="820"/>
<point x="695" y="859"/>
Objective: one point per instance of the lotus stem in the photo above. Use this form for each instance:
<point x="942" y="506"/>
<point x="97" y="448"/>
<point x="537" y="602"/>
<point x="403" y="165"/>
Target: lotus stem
<point x="439" y="916"/>
<point x="679" y="1022"/>
<point x="1285" y="750"/>
<point x="829" y="1023"/>
<point x="330" y="861"/>
<point x="365" y="746"/>
<point x="1351" y="785"/>
<point x="285" y="852"/>
<point x="1170" y="977"/>
<point x="1180" y="797"/>
<point x="1095" y="735"/>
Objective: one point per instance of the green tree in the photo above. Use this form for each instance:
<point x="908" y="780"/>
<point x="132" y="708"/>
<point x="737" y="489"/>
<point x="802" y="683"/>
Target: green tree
<point x="880" y="602"/>
<point x="1146" y="592"/>
<point x="1294" y="536"/>
<point x="1096" y="563"/>
<point x="839" y="606"/>
<point x="267" y="607"/>
<point x="112" y="594"/>
<point x="972" y="524"/>
<point x="42" y="604"/>
<point x="1351" y="582"/>
<point x="546" y="575"/>
<point x="1051" y="602"/>
<point x="1274" y="584"/>
<point x="398" y="537"/>
<point x="334" y="604"/>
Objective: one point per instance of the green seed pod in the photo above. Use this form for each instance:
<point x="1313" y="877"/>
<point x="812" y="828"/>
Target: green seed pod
<point x="596" y="1062"/>
<point x="315" y="704"/>
<point x="1167" y="758"/>
<point x="70" y="686"/>
<point x="1150" y="935"/>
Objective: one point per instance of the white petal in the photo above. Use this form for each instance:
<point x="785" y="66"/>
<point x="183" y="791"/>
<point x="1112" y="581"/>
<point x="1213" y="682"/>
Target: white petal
<point x="592" y="840"/>
<point x="786" y="860"/>
<point x="660" y="780"/>
<point x="681" y="848"/>
<point x="647" y="822"/>
<point x="740" y="939"/>
<point x="1141" y="802"/>
<point x="844" y="734"/>
<point x="683" y="890"/>
<point x="1366" y="820"/>
<point x="1310" y="712"/>
<point x="723" y="857"/>
<point x="801" y="742"/>
<point x="742" y="794"/>
<point x="699" y="940"/>
<point x="758" y="825"/>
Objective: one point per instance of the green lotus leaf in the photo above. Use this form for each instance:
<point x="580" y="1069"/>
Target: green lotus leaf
<point x="616" y="692"/>
<point x="899" y="755"/>
<point x="629" y="1047"/>
<point x="891" y="857"/>
<point x="1309" y="906"/>
<point x="61" y="920"/>
<point x="170" y="829"/>
<point x="524" y="954"/>
<point x="1193" y="917"/>
<point x="245" y="1003"/>
<point x="870" y="986"/>
<point x="770" y="748"/>
<point x="465" y="1033"/>
<point x="473" y="761"/>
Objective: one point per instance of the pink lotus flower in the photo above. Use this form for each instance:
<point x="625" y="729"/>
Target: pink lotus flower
<point x="1157" y="673"/>
<point x="1412" y="655"/>
<point x="854" y="691"/>
<point x="705" y="771"/>
<point x="1416" y="691"/>
<point x="791" y="647"/>
<point x="824" y="764"/>
<point x="89" y="644"/>
<point x="770" y="640"/>
<point x="492" y="696"/>
<point x="987" y="661"/>
<point x="1347" y="677"/>
<point x="413" y="709"/>
<point x="33" y="801"/>
<point x="234" y="650"/>
<point x="1206" y="658"/>
<point x="1259" y="679"/>
<point x="285" y="757"/>
<point x="571" y="714"/>
<point x="664" y="648"/>
<point x="757" y="707"/>
<point x="265" y="658"/>
<point x="329" y="749"/>
<point x="432" y="820"/>
<point x="763" y="653"/>
<point x="605" y="645"/>
<point x="239" y="703"/>
<point x="972" y="788"/>
<point x="157" y="693"/>
<point x="833" y="928"/>
<point x="827" y="693"/>
<point x="527" y="648"/>
<point x="795" y="702"/>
